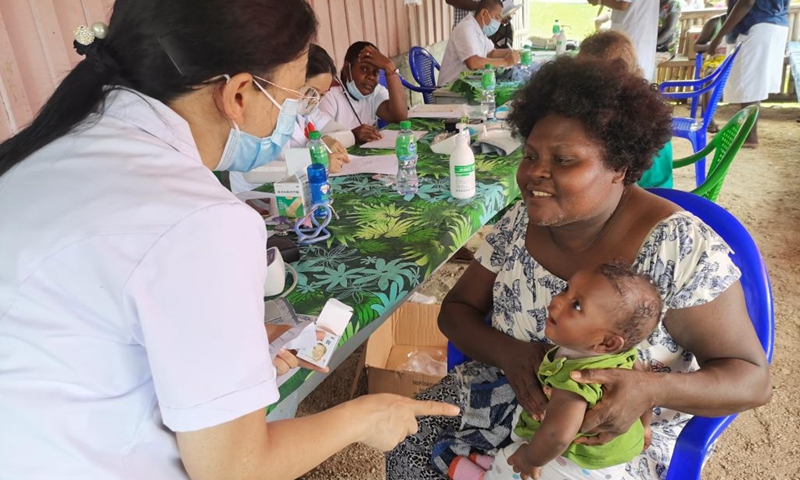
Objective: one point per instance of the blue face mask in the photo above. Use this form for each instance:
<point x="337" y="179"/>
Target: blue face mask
<point x="354" y="91"/>
<point x="244" y="152"/>
<point x="492" y="28"/>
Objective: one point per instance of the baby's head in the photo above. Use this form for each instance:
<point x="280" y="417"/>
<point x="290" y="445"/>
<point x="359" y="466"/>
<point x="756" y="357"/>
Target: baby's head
<point x="612" y="46"/>
<point x="606" y="310"/>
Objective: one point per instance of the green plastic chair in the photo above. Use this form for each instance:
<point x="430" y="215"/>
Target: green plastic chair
<point x="725" y="145"/>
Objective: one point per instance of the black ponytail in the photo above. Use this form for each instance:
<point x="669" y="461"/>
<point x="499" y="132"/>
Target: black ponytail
<point x="162" y="48"/>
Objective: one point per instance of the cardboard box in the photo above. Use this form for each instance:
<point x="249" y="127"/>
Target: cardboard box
<point x="691" y="38"/>
<point x="411" y="328"/>
<point x="293" y="196"/>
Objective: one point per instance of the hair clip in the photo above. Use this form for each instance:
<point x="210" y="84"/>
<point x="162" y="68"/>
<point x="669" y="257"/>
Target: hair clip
<point x="86" y="35"/>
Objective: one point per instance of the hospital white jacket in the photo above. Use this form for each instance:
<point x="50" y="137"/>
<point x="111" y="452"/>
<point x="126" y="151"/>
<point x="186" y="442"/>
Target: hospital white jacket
<point x="131" y="305"/>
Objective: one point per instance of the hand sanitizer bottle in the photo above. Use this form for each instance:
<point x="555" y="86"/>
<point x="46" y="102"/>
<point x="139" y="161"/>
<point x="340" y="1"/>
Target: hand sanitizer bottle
<point x="462" y="167"/>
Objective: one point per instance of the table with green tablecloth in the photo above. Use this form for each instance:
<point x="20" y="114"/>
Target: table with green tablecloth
<point x="470" y="88"/>
<point x="384" y="245"/>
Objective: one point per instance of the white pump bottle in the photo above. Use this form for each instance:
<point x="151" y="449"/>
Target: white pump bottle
<point x="462" y="166"/>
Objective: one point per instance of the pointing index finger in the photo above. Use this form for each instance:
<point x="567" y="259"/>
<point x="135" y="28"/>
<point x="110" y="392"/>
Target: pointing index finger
<point x="424" y="408"/>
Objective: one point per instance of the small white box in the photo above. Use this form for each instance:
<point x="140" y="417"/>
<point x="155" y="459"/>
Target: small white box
<point x="293" y="196"/>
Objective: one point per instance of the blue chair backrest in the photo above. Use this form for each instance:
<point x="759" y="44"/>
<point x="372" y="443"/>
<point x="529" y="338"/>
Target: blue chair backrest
<point x="697" y="437"/>
<point x="755" y="279"/>
<point x="713" y="84"/>
<point x="717" y="78"/>
<point x="423" y="66"/>
<point x="382" y="81"/>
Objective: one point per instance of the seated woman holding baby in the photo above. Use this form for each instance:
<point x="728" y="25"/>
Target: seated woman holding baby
<point x="590" y="128"/>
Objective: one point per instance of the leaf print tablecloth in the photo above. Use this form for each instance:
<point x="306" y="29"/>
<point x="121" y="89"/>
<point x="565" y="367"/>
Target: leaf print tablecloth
<point x="384" y="244"/>
<point x="470" y="88"/>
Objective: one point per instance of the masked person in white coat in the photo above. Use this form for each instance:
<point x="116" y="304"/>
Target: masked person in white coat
<point x="469" y="47"/>
<point x="132" y="343"/>
<point x="320" y="72"/>
<point x="360" y="100"/>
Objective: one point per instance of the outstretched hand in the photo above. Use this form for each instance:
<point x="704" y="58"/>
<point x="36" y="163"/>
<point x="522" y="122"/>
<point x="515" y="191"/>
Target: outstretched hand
<point x="392" y="418"/>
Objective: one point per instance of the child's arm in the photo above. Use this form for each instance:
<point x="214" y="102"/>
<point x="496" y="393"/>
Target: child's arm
<point x="647" y="416"/>
<point x="561" y="424"/>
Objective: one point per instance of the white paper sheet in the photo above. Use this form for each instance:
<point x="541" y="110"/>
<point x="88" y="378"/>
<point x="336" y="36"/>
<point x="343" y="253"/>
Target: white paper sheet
<point x="438" y="111"/>
<point x="297" y="160"/>
<point x="389" y="139"/>
<point x="385" y="164"/>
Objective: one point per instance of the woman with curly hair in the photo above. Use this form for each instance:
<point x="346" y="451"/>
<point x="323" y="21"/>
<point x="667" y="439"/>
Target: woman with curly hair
<point x="590" y="129"/>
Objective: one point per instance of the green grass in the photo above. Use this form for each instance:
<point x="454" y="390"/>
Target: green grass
<point x="579" y="18"/>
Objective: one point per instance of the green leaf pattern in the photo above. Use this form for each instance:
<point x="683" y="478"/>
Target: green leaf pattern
<point x="384" y="245"/>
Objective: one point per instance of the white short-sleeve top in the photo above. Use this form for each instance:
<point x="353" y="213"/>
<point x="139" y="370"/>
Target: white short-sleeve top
<point x="131" y="300"/>
<point x="640" y="22"/>
<point x="466" y="40"/>
<point x="350" y="113"/>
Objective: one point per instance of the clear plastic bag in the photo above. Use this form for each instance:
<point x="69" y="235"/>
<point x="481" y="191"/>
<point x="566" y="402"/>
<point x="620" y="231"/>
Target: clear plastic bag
<point x="427" y="363"/>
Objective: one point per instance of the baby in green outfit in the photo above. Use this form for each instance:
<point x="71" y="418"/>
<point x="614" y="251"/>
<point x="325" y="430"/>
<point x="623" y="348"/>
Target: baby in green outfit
<point x="597" y="322"/>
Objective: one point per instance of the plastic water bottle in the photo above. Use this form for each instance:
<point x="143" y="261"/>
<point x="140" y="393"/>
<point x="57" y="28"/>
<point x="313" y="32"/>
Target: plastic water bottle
<point x="488" y="84"/>
<point x="462" y="168"/>
<point x="556" y="29"/>
<point x="319" y="152"/>
<point x="406" y="182"/>
<point x="319" y="187"/>
<point x="561" y="42"/>
<point x="526" y="63"/>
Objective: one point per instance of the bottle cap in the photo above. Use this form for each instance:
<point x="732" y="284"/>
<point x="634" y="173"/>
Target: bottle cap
<point x="405" y="124"/>
<point x="317" y="173"/>
<point x="488" y="65"/>
<point x="315" y="135"/>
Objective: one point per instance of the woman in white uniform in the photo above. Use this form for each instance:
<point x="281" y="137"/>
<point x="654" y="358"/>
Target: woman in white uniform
<point x="131" y="336"/>
<point x="320" y="72"/>
<point x="360" y="100"/>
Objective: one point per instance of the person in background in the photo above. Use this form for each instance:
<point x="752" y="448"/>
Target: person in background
<point x="319" y="76"/>
<point x="761" y="26"/>
<point x="710" y="61"/>
<point x="669" y="30"/>
<point x="132" y="337"/>
<point x="639" y="20"/>
<point x="469" y="47"/>
<point x="360" y="100"/>
<point x="610" y="45"/>
<point x="462" y="8"/>
<point x="504" y="36"/>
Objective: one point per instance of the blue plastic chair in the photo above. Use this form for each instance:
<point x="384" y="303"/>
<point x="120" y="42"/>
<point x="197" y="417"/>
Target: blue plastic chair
<point x="693" y="128"/>
<point x="410" y="86"/>
<point x="423" y="69"/>
<point x="700" y="433"/>
<point x="382" y="81"/>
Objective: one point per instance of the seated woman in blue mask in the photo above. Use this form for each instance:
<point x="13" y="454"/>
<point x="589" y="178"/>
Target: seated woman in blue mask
<point x="320" y="72"/>
<point x="360" y="100"/>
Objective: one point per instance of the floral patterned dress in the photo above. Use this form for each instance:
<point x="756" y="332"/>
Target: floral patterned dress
<point x="690" y="265"/>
